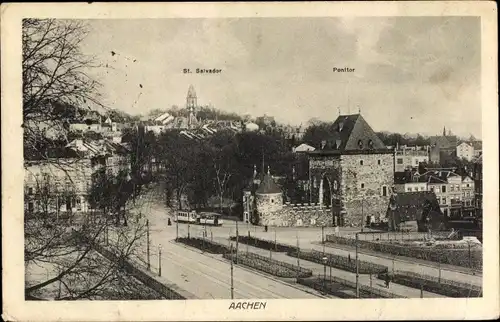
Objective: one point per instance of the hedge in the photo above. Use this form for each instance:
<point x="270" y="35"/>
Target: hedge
<point x="264" y="244"/>
<point x="205" y="245"/>
<point x="457" y="257"/>
<point x="268" y="265"/>
<point x="341" y="262"/>
<point x="333" y="288"/>
<point x="435" y="285"/>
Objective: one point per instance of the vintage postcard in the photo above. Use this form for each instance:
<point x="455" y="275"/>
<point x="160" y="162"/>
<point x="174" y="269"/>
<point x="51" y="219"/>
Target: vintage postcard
<point x="250" y="161"/>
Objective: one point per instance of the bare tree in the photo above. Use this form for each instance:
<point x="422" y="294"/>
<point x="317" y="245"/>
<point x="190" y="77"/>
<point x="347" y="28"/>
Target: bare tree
<point x="58" y="89"/>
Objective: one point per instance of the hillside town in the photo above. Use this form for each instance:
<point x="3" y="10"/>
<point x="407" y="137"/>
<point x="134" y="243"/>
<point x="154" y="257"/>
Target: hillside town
<point x="334" y="193"/>
<point x="194" y="201"/>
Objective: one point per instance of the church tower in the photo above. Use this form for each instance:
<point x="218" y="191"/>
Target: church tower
<point x="191" y="104"/>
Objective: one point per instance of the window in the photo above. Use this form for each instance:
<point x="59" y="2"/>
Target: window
<point x="400" y="161"/>
<point x="384" y="191"/>
<point x="360" y="162"/>
<point x="457" y="187"/>
<point x="360" y="144"/>
<point x="379" y="162"/>
<point x="272" y="200"/>
<point x="443" y="189"/>
<point x="444" y="200"/>
<point x="421" y="188"/>
<point x="432" y="189"/>
<point x="30" y="190"/>
<point x="451" y="188"/>
<point x="362" y="186"/>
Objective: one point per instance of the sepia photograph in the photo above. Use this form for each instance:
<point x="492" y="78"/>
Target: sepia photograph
<point x="251" y="159"/>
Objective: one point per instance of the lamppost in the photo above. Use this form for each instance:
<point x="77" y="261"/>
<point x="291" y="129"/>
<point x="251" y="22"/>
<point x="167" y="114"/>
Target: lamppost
<point x="357" y="267"/>
<point x="324" y="273"/>
<point x="176" y="226"/>
<point x="159" y="260"/>
<point x="232" y="269"/>
<point x="147" y="242"/>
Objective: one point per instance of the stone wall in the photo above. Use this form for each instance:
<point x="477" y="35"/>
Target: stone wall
<point x="298" y="215"/>
<point x="268" y="204"/>
<point x="364" y="177"/>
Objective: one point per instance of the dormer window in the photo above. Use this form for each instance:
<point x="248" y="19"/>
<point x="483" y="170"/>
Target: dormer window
<point x="341" y="126"/>
<point x="370" y="144"/>
<point x="337" y="143"/>
<point x="360" y="144"/>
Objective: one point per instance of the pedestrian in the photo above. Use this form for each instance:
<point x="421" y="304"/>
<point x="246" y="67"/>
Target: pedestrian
<point x="387" y="280"/>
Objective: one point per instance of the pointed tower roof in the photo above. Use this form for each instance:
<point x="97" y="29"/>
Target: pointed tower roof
<point x="268" y="186"/>
<point x="191" y="91"/>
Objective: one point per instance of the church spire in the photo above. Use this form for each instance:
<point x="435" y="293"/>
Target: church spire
<point x="444" y="131"/>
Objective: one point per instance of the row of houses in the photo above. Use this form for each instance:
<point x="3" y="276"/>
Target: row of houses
<point x="62" y="185"/>
<point x="455" y="193"/>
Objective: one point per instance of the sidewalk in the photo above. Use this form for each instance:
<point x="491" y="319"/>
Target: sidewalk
<point x="318" y="269"/>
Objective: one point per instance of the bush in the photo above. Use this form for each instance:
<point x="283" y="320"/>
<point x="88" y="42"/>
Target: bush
<point x="334" y="287"/>
<point x="458" y="257"/>
<point x="432" y="284"/>
<point x="340" y="262"/>
<point x="264" y="244"/>
<point x="205" y="245"/>
<point x="270" y="266"/>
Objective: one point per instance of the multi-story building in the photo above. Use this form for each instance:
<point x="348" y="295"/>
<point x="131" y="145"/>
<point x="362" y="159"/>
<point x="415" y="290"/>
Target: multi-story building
<point x="410" y="157"/>
<point x="353" y="173"/>
<point x="409" y="181"/>
<point x="465" y="150"/>
<point x="453" y="192"/>
<point x="62" y="185"/>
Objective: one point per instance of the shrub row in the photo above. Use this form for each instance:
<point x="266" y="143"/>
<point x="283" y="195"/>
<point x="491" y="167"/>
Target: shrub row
<point x="458" y="257"/>
<point x="341" y="262"/>
<point x="432" y="284"/>
<point x="334" y="287"/>
<point x="268" y="265"/>
<point x="264" y="244"/>
<point x="205" y="245"/>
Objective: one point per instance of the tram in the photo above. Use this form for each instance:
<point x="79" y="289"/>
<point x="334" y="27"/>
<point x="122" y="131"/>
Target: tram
<point x="210" y="219"/>
<point x="186" y="217"/>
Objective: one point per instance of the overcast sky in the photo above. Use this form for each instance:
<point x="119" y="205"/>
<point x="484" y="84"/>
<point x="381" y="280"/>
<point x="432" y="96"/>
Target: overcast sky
<point x="412" y="74"/>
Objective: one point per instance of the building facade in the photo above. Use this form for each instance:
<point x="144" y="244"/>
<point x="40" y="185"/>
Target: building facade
<point x="61" y="186"/>
<point x="353" y="173"/>
<point x="407" y="158"/>
<point x="465" y="151"/>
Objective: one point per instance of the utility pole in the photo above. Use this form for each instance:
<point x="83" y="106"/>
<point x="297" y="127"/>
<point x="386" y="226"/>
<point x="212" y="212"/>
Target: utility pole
<point x="439" y="268"/>
<point x="189" y="236"/>
<point x="159" y="260"/>
<point x="298" y="256"/>
<point x="275" y="243"/>
<point x="237" y="239"/>
<point x="248" y="241"/>
<point x="232" y="269"/>
<point x="176" y="226"/>
<point x="147" y="243"/>
<point x="357" y="267"/>
<point x="330" y="268"/>
<point x="362" y="214"/>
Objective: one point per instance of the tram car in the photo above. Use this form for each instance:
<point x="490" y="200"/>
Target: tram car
<point x="210" y="219"/>
<point x="186" y="217"/>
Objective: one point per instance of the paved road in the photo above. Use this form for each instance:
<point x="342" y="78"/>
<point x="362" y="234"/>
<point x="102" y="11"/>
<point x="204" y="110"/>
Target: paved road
<point x="208" y="276"/>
